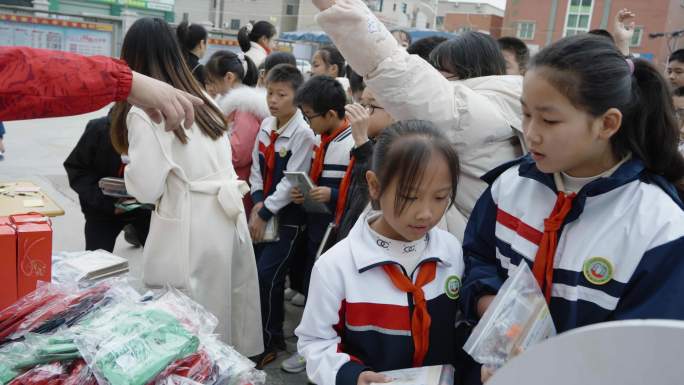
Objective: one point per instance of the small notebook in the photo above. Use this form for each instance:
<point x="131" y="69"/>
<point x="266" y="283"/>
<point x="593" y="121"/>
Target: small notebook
<point x="98" y="264"/>
<point x="426" y="375"/>
<point x="302" y="181"/>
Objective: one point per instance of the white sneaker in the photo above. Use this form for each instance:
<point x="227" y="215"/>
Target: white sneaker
<point x="298" y="300"/>
<point x="295" y="364"/>
<point x="289" y="293"/>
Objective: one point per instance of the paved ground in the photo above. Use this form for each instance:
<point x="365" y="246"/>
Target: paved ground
<point x="35" y="152"/>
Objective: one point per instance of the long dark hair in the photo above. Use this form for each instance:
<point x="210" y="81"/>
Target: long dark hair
<point x="190" y="35"/>
<point x="591" y="72"/>
<point x="469" y="55"/>
<point x="403" y="151"/>
<point x="254" y="32"/>
<point x="222" y="62"/>
<point x="151" y="49"/>
<point x="332" y="56"/>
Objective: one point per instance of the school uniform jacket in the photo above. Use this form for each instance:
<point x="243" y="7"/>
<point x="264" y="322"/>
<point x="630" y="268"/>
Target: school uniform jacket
<point x="293" y="153"/>
<point x="620" y="251"/>
<point x="356" y="319"/>
<point x="335" y="164"/>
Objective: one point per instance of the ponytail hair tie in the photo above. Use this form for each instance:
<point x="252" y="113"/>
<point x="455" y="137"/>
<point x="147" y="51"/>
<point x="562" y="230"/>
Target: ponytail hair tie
<point x="243" y="61"/>
<point x="630" y="64"/>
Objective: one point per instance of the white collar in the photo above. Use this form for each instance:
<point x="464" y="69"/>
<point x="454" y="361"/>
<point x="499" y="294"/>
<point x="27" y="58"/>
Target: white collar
<point x="369" y="252"/>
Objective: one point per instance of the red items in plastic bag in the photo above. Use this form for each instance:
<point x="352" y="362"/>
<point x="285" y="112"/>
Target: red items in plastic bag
<point x="67" y="373"/>
<point x="198" y="367"/>
<point x="12" y="317"/>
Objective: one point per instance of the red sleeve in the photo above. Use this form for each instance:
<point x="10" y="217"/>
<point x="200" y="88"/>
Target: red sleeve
<point x="39" y="83"/>
<point x="245" y="129"/>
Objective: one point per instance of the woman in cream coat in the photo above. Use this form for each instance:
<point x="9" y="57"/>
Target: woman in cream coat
<point x="198" y="241"/>
<point x="480" y="115"/>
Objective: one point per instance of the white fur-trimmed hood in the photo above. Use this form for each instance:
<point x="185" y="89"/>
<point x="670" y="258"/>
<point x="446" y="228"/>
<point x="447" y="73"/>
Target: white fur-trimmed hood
<point x="246" y="99"/>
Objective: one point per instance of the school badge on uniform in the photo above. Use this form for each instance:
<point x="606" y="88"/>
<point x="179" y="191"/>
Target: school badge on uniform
<point x="452" y="287"/>
<point x="598" y="270"/>
<point x="283" y="152"/>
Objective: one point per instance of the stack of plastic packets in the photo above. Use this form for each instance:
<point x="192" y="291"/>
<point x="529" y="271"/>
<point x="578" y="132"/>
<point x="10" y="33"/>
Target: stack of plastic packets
<point x="107" y="335"/>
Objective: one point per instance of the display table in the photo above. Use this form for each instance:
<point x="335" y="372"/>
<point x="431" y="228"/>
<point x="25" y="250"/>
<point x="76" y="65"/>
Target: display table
<point x="19" y="197"/>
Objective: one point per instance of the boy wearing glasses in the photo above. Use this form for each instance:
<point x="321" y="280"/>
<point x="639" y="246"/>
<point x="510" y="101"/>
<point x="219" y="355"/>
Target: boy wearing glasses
<point x="322" y="101"/>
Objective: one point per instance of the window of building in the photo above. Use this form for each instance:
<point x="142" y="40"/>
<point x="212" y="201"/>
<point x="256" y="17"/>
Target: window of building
<point x="636" y="38"/>
<point x="289" y="10"/>
<point x="235" y="24"/>
<point x="579" y="17"/>
<point x="440" y="20"/>
<point x="404" y="8"/>
<point x="466" y="28"/>
<point x="394" y="7"/>
<point x="375" y="5"/>
<point x="525" y="31"/>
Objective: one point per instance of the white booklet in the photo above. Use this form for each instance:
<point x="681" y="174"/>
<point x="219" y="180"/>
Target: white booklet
<point x="302" y="181"/>
<point x="98" y="264"/>
<point x="426" y="375"/>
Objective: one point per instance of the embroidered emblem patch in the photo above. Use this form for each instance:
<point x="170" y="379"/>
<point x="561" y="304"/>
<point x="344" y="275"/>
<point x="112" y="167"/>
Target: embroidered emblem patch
<point x="452" y="287"/>
<point x="598" y="270"/>
<point x="283" y="152"/>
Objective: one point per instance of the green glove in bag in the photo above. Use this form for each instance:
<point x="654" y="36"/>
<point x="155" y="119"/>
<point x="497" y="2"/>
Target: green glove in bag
<point x="138" y="345"/>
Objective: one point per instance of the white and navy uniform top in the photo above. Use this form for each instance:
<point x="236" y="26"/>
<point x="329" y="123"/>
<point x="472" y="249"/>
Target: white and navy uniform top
<point x="335" y="163"/>
<point x="620" y="252"/>
<point x="292" y="153"/>
<point x="356" y="319"/>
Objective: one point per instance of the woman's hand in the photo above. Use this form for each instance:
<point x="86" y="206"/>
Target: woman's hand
<point x="161" y="100"/>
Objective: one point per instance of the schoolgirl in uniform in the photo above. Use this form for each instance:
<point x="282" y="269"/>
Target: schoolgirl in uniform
<point x="386" y="296"/>
<point x="595" y="209"/>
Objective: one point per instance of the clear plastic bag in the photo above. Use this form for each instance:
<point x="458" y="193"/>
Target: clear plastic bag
<point x="516" y="319"/>
<point x="49" y="374"/>
<point x="12" y="355"/>
<point x="65" y="310"/>
<point x="130" y="343"/>
<point x="193" y="316"/>
<point x="33" y="304"/>
<point x="233" y="367"/>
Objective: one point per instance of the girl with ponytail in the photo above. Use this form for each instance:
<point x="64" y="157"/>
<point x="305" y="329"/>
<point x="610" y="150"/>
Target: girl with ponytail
<point x="595" y="209"/>
<point x="192" y="39"/>
<point x="256" y="40"/>
<point x="233" y="77"/>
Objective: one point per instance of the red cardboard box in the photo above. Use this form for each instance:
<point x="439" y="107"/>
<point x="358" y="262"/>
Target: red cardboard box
<point x="8" y="264"/>
<point x="34" y="251"/>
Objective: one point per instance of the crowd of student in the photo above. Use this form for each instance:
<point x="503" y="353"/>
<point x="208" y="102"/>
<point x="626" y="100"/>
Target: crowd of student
<point x="439" y="166"/>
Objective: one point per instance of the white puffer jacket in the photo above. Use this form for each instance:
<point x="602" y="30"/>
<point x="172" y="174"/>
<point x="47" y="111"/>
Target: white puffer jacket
<point x="479" y="115"/>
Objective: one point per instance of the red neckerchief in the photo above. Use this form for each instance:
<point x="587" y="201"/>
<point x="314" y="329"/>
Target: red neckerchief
<point x="317" y="165"/>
